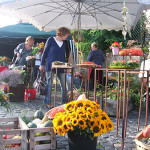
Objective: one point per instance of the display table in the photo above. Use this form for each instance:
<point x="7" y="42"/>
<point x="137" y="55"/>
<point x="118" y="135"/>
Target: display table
<point x="2" y="68"/>
<point x="65" y="67"/>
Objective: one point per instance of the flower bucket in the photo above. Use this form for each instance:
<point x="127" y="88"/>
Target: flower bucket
<point x="115" y="50"/>
<point x="30" y="94"/>
<point x="81" y="142"/>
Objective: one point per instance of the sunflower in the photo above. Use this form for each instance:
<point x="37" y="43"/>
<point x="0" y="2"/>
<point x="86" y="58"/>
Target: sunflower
<point x="59" y="130"/>
<point x="89" y="116"/>
<point x="80" y="111"/>
<point x="103" y="126"/>
<point x="74" y="122"/>
<point x="82" y="123"/>
<point x="58" y="122"/>
<point x="90" y="110"/>
<point x="73" y="115"/>
<point x="96" y="130"/>
<point x="70" y="127"/>
<point x="65" y="127"/>
<point x="80" y="103"/>
<point x="69" y="106"/>
<point x="110" y="125"/>
<point x="88" y="103"/>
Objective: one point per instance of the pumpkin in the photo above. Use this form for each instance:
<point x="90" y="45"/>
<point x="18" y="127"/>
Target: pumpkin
<point x="39" y="114"/>
<point x="31" y="125"/>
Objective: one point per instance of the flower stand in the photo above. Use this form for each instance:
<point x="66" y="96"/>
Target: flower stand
<point x="115" y="50"/>
<point x="81" y="142"/>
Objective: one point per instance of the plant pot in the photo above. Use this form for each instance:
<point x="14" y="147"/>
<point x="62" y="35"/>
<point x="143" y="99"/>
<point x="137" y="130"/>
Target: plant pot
<point x="80" y="142"/>
<point x="18" y="93"/>
<point x="115" y="50"/>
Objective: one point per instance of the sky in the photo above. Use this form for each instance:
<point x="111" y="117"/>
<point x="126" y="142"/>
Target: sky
<point x="7" y="19"/>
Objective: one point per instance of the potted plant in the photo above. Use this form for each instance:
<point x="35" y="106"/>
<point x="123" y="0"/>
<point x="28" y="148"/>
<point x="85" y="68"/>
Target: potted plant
<point x="14" y="83"/>
<point x="115" y="48"/>
<point x="84" y="121"/>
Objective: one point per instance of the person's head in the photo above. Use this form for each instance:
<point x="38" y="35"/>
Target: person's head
<point x="94" y="46"/>
<point x="29" y="41"/>
<point x="63" y="33"/>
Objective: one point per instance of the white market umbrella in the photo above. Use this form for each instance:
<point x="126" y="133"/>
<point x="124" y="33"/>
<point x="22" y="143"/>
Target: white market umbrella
<point x="49" y="15"/>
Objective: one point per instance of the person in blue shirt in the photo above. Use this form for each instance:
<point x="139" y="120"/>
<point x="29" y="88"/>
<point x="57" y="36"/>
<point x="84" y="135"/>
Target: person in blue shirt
<point x="96" y="56"/>
<point x="54" y="50"/>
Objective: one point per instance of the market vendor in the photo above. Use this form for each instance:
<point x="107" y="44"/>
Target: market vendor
<point x="96" y="56"/>
<point x="23" y="50"/>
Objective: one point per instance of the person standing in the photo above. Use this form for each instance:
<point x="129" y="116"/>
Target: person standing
<point x="96" y="56"/>
<point x="23" y="50"/>
<point x="55" y="51"/>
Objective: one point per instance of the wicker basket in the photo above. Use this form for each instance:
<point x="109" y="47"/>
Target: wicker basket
<point x="140" y="145"/>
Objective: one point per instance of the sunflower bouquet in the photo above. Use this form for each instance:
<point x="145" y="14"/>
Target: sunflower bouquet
<point x="82" y="117"/>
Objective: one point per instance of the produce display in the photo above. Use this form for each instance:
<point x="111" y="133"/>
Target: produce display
<point x="59" y="63"/>
<point x="125" y="64"/>
<point x="87" y="64"/>
<point x="132" y="51"/>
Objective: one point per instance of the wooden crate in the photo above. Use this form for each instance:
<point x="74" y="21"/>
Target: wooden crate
<point x="33" y="140"/>
<point x="140" y="145"/>
<point x="16" y="126"/>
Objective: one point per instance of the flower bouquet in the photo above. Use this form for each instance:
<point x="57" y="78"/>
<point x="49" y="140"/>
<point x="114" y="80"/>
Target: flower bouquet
<point x="82" y="117"/>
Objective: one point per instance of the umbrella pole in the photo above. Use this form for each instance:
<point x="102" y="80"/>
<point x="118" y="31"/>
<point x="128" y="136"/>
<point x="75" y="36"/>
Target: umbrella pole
<point x="79" y="30"/>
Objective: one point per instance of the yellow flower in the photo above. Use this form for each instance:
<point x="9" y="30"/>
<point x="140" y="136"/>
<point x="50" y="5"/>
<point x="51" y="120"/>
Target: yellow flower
<point x="4" y="97"/>
<point x="80" y="111"/>
<point x="74" y="122"/>
<point x="69" y="106"/>
<point x="80" y="103"/>
<point x="96" y="130"/>
<point x="70" y="127"/>
<point x="110" y="125"/>
<point x="89" y="116"/>
<point x="90" y="110"/>
<point x="73" y="115"/>
<point x="58" y="122"/>
<point x="65" y="127"/>
<point x="103" y="127"/>
<point x="82" y="123"/>
<point x="88" y="104"/>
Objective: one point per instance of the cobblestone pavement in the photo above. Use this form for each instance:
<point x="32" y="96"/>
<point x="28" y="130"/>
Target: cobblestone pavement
<point x="107" y="141"/>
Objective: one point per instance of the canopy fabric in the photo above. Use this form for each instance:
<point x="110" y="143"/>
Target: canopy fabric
<point x="48" y="15"/>
<point x="24" y="30"/>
